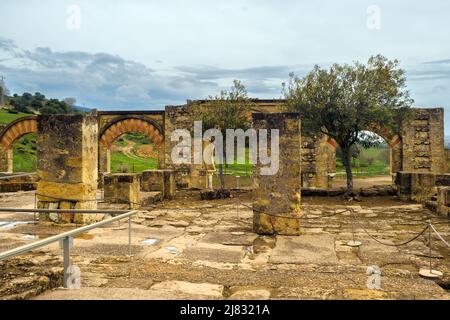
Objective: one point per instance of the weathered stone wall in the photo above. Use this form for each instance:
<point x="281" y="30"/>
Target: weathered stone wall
<point x="319" y="157"/>
<point x="159" y="180"/>
<point x="14" y="183"/>
<point x="423" y="142"/>
<point x="122" y="188"/>
<point x="318" y="161"/>
<point x="3" y="160"/>
<point x="277" y="198"/>
<point x="178" y="117"/>
<point x="419" y="187"/>
<point x="67" y="153"/>
<point x="443" y="201"/>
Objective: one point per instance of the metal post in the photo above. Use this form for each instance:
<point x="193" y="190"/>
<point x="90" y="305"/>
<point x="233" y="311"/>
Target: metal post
<point x="429" y="241"/>
<point x="35" y="206"/>
<point x="129" y="235"/>
<point x="66" y="254"/>
<point x="237" y="191"/>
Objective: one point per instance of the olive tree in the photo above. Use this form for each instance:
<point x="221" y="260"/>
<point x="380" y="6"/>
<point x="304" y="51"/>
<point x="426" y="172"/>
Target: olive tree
<point x="345" y="100"/>
<point x="227" y="110"/>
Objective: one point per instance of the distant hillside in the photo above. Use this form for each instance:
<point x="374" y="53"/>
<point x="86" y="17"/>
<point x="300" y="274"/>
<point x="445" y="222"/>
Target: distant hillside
<point x="82" y="109"/>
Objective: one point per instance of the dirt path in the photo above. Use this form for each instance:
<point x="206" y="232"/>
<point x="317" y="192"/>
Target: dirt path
<point x="363" y="182"/>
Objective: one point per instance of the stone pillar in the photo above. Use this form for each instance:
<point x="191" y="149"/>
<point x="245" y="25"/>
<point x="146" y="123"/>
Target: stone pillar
<point x="123" y="188"/>
<point x="443" y="201"/>
<point x="423" y="142"/>
<point x="3" y="165"/>
<point x="395" y="156"/>
<point x="6" y="160"/>
<point x="67" y="153"/>
<point x="105" y="160"/>
<point x="277" y="198"/>
<point x="159" y="180"/>
<point x="10" y="160"/>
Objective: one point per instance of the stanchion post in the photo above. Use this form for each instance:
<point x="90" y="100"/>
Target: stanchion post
<point x="129" y="235"/>
<point x="237" y="193"/>
<point x="66" y="255"/>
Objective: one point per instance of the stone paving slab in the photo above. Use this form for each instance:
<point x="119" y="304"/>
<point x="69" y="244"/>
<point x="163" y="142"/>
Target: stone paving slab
<point x="230" y="238"/>
<point x="214" y="252"/>
<point x="305" y="249"/>
<point x="167" y="290"/>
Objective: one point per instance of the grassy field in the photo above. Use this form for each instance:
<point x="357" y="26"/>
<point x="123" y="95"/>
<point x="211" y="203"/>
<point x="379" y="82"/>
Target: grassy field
<point x="370" y="162"/>
<point x="25" y="154"/>
<point x="120" y="160"/>
<point x="6" y="117"/>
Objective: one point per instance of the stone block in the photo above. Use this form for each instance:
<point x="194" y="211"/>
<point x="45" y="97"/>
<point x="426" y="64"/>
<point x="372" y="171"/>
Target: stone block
<point x="159" y="180"/>
<point x="443" y="201"/>
<point x="67" y="153"/>
<point x="122" y="188"/>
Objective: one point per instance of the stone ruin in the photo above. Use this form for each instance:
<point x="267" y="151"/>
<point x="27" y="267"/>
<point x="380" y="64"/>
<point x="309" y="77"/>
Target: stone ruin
<point x="73" y="150"/>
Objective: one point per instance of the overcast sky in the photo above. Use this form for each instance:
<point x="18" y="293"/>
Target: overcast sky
<point x="147" y="54"/>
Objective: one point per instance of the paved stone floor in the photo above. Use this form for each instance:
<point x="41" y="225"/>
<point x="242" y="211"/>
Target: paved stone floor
<point x="206" y="250"/>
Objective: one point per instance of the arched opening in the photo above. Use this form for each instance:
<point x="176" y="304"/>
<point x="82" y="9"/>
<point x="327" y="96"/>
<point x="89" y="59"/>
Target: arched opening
<point x="371" y="162"/>
<point x="18" y="146"/>
<point x="24" y="153"/>
<point x="131" y="145"/>
<point x="133" y="152"/>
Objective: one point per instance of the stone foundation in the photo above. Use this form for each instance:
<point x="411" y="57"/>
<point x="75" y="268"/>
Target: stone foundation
<point x="15" y="183"/>
<point x="122" y="188"/>
<point x="159" y="180"/>
<point x="419" y="187"/>
<point x="277" y="198"/>
<point x="443" y="201"/>
<point x="67" y="153"/>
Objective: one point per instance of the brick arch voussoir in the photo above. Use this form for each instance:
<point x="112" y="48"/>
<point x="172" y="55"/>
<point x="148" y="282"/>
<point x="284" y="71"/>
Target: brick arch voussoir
<point x="118" y="128"/>
<point x="16" y="129"/>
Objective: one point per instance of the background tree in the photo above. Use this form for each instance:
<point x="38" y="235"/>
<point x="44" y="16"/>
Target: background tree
<point x="228" y="110"/>
<point x="346" y="100"/>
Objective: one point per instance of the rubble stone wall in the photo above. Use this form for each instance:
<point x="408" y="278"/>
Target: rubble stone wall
<point x="423" y="142"/>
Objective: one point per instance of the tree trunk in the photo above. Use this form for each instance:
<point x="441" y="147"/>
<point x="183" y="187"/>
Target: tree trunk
<point x="222" y="179"/>
<point x="348" y="168"/>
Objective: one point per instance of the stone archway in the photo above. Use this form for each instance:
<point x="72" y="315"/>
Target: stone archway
<point x="126" y="124"/>
<point x="394" y="142"/>
<point x="9" y="135"/>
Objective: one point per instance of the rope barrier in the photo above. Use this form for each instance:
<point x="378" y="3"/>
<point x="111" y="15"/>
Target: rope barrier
<point x="389" y="244"/>
<point x="439" y="236"/>
<point x="81" y="200"/>
<point x="287" y="217"/>
<point x="354" y="218"/>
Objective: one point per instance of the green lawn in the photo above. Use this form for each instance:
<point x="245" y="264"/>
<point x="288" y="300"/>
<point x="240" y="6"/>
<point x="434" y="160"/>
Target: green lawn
<point x="6" y="117"/>
<point x="371" y="162"/>
<point x="118" y="159"/>
<point x="25" y="154"/>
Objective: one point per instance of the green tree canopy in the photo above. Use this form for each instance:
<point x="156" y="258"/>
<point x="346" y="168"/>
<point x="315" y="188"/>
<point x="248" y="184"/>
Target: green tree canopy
<point x="346" y="100"/>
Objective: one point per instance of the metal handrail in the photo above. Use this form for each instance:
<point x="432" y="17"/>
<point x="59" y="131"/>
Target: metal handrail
<point x="72" y="211"/>
<point x="32" y="246"/>
<point x="67" y="236"/>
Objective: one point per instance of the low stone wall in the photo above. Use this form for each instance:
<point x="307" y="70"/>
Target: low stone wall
<point x="18" y="182"/>
<point x="159" y="180"/>
<point x="419" y="187"/>
<point x="122" y="188"/>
